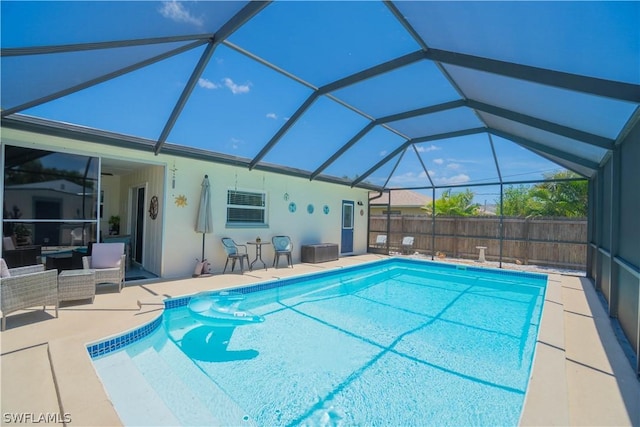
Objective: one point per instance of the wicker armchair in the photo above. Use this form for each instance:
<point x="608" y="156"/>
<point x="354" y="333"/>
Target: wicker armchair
<point x="28" y="287"/>
<point x="108" y="260"/>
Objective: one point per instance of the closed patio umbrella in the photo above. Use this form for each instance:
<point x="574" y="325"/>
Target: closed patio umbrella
<point x="204" y="223"/>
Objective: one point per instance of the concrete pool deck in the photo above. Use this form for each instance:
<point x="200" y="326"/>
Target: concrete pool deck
<point x="581" y="375"/>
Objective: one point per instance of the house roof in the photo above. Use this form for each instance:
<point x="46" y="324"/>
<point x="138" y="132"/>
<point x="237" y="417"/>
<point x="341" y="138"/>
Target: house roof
<point x="380" y="95"/>
<point x="401" y="198"/>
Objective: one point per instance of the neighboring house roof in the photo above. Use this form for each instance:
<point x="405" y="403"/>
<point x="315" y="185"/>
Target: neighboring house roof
<point x="401" y="198"/>
<point x="61" y="185"/>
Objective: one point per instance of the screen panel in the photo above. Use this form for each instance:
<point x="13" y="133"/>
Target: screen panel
<point x="562" y="36"/>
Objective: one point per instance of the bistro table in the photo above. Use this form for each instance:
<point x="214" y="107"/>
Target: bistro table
<point x="258" y="246"/>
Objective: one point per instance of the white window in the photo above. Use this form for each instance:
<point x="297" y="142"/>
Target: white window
<point x="246" y="208"/>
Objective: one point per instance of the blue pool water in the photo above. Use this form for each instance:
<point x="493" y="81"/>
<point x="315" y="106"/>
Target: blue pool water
<point x="398" y="342"/>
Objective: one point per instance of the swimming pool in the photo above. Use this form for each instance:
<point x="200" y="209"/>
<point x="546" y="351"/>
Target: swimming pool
<point x="396" y="342"/>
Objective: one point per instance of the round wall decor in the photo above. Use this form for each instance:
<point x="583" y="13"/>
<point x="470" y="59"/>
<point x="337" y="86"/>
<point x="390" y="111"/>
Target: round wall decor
<point x="310" y="208"/>
<point x="325" y="209"/>
<point x="292" y="207"/>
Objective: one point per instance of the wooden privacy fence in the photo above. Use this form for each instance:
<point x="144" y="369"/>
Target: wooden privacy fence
<point x="553" y="242"/>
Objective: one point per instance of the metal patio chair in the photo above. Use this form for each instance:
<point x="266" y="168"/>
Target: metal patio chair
<point x="235" y="252"/>
<point x="282" y="246"/>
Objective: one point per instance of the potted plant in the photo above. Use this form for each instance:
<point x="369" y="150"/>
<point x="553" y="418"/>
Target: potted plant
<point x="114" y="225"/>
<point x="23" y="234"/>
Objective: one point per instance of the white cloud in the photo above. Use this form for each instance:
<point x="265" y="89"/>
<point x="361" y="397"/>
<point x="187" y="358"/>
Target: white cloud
<point x="272" y="116"/>
<point x="234" y="87"/>
<point x="422" y="149"/>
<point x="178" y="13"/>
<point x="456" y="179"/>
<point x="471" y="161"/>
<point x="383" y="153"/>
<point x="235" y="143"/>
<point x="207" y="84"/>
<point x="438" y="161"/>
<point x="404" y="178"/>
<point x="454" y="166"/>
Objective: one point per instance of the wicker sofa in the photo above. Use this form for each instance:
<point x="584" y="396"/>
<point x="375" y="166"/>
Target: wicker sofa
<point x="27" y="287"/>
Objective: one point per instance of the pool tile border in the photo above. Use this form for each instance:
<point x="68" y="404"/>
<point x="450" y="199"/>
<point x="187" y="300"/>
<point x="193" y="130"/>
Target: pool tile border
<point x="115" y="343"/>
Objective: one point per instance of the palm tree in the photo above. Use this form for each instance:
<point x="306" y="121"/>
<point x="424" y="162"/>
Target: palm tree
<point x="458" y="204"/>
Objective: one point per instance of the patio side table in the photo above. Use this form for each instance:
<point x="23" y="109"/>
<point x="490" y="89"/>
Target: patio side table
<point x="76" y="284"/>
<point x="258" y="257"/>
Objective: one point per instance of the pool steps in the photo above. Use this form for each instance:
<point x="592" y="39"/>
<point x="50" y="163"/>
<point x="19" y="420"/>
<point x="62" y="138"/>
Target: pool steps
<point x="129" y="378"/>
<point x="165" y="391"/>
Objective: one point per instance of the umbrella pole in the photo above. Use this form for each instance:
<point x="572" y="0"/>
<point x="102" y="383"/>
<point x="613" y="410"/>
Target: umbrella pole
<point x="202" y="259"/>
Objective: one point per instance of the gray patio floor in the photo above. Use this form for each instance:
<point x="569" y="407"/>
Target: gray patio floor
<point x="580" y="376"/>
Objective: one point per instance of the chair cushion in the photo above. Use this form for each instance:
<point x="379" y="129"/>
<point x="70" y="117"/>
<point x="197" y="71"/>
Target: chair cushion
<point x="106" y="255"/>
<point x="7" y="244"/>
<point x="4" y="270"/>
<point x="281" y="243"/>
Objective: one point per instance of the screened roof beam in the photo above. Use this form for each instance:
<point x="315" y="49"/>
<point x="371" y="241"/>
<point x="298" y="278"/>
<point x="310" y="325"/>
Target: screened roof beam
<point x="78" y="47"/>
<point x="465" y="185"/>
<point x="545" y="125"/>
<point x="591" y="85"/>
<point x="424" y="167"/>
<point x="229" y="27"/>
<point x="100" y="79"/>
<point x="184" y="96"/>
<point x="418" y="39"/>
<point x="447" y="135"/>
<point x="285" y="128"/>
<point x="495" y="157"/>
<point x="545" y="149"/>
<point x="633" y="120"/>
<point x="416" y="141"/>
<point x="579" y="169"/>
<point x="376" y="70"/>
<point x="408" y="27"/>
<point x="422" y="111"/>
<point x="268" y="64"/>
<point x="389" y="156"/>
<point x="343" y="149"/>
<point x="383" y="121"/>
<point x="393" y="170"/>
<point x="330" y="87"/>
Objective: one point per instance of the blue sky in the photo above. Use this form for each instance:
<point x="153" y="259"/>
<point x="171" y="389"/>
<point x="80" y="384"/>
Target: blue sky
<point x="239" y="104"/>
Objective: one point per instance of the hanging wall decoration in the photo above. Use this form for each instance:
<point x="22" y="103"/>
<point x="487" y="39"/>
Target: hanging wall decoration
<point x="292" y="207"/>
<point x="181" y="201"/>
<point x="153" y="207"/>
<point x="173" y="175"/>
<point x="325" y="209"/>
<point x="310" y="208"/>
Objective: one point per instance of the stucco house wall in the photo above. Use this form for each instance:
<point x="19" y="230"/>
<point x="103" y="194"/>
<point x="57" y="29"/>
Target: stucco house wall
<point x="171" y="244"/>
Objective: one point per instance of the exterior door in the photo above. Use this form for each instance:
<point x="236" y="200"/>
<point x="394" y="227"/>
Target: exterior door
<point x="347" y="227"/>
<point x="137" y="229"/>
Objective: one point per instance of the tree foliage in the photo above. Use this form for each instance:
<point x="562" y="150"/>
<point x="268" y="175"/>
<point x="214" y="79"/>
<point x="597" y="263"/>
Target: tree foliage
<point x="33" y="171"/>
<point x="457" y="204"/>
<point x="550" y="198"/>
